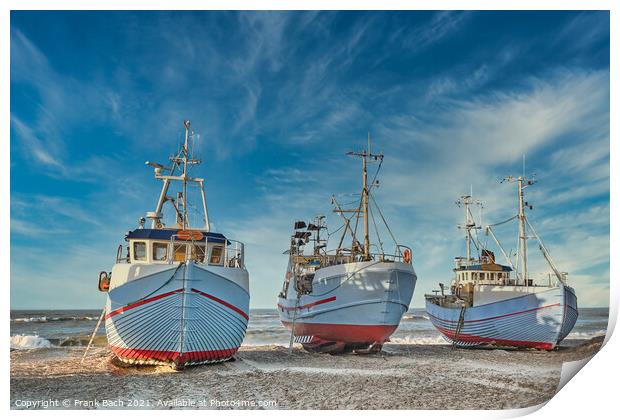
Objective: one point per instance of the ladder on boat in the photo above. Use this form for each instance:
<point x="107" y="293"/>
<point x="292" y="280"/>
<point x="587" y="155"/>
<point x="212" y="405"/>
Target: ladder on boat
<point x="459" y="326"/>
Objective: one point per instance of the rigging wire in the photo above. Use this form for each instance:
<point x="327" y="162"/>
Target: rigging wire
<point x="475" y="240"/>
<point x="372" y="216"/>
<point x="357" y="220"/>
<point x="349" y="203"/>
<point x="372" y="183"/>
<point x="384" y="221"/>
<point x="505" y="221"/>
<point x="329" y="234"/>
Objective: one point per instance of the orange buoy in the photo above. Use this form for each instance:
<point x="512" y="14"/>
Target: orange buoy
<point x="190" y="235"/>
<point x="407" y="256"/>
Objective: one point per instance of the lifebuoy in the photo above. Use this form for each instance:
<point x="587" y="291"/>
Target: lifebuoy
<point x="190" y="235"/>
<point x="407" y="256"/>
<point x="104" y="281"/>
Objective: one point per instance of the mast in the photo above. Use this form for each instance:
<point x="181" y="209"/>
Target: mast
<point x="522" y="232"/>
<point x="522" y="183"/>
<point x="466" y="201"/>
<point x="185" y="149"/>
<point x="365" y="154"/>
<point x="365" y="204"/>
<point x="183" y="161"/>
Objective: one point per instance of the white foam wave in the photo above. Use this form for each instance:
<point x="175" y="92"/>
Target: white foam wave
<point x="20" y="342"/>
<point x="31" y="319"/>
<point x="49" y="319"/>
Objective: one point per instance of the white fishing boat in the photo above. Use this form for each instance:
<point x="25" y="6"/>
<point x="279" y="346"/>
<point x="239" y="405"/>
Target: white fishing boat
<point x="491" y="303"/>
<point x="178" y="294"/>
<point x="348" y="299"/>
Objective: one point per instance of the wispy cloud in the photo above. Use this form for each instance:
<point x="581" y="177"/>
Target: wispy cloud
<point x="591" y="30"/>
<point x="34" y="147"/>
<point x="441" y="25"/>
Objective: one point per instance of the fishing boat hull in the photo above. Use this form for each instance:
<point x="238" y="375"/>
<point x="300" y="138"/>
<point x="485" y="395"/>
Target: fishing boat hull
<point x="352" y="307"/>
<point x="534" y="320"/>
<point x="176" y="314"/>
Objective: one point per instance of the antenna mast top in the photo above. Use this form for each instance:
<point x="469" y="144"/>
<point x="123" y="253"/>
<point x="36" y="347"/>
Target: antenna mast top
<point x="183" y="161"/>
<point x="365" y="155"/>
<point x="470" y="223"/>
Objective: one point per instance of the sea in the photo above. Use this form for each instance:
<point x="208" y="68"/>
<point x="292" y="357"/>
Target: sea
<point x="32" y="329"/>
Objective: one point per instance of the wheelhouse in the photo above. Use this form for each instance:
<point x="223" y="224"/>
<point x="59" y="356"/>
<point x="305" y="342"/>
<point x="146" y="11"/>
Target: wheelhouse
<point x="482" y="271"/>
<point x="167" y="246"/>
<point x="484" y="274"/>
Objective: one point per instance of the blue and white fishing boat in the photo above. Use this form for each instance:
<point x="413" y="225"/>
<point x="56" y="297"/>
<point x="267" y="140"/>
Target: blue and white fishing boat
<point x="491" y="303"/>
<point x="348" y="299"/>
<point x="178" y="294"/>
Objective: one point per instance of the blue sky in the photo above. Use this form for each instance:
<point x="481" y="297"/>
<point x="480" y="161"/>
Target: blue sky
<point x="452" y="99"/>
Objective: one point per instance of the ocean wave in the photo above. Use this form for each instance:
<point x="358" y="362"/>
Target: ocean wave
<point x="22" y="342"/>
<point x="54" y="319"/>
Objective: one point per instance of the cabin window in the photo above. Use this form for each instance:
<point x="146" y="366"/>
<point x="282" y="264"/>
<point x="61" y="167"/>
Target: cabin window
<point x="139" y="251"/>
<point x="216" y="255"/>
<point x="198" y="253"/>
<point x="179" y="252"/>
<point x="481" y="276"/>
<point x="474" y="276"/>
<point x="160" y="251"/>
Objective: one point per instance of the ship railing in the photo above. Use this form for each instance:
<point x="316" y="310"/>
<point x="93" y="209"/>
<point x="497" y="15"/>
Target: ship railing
<point x="337" y="256"/>
<point x="228" y="253"/>
<point x="404" y="253"/>
<point x="234" y="253"/>
<point x="119" y="255"/>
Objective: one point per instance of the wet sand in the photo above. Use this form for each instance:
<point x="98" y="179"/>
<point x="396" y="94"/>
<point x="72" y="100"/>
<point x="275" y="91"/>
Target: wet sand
<point x="400" y="377"/>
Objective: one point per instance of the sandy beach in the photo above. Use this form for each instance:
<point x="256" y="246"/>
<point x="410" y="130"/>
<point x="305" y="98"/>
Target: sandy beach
<point x="400" y="377"/>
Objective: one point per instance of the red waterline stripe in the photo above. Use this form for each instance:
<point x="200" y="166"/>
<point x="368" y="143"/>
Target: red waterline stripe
<point x="344" y="333"/>
<point x="172" y="356"/>
<point x="517" y="343"/>
<point x="218" y="300"/>
<point x="499" y="316"/>
<point x="140" y="303"/>
<point x="308" y="305"/>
